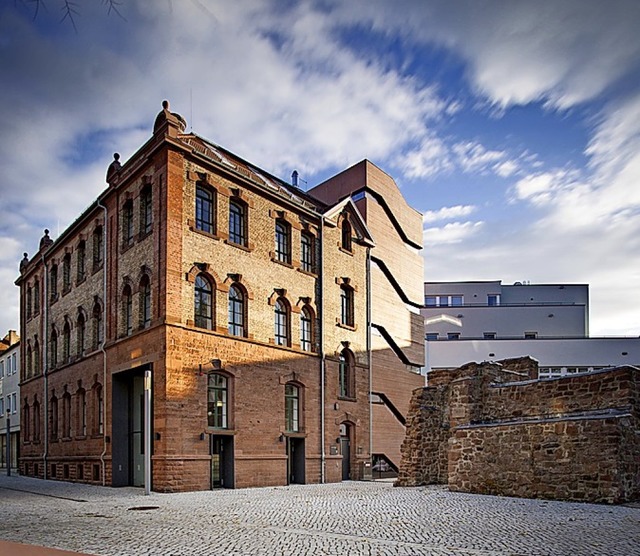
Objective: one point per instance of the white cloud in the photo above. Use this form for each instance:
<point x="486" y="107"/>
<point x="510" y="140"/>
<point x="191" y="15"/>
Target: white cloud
<point x="448" y="213"/>
<point x="453" y="232"/>
<point x="431" y="157"/>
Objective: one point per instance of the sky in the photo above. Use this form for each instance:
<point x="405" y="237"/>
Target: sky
<point x="514" y="127"/>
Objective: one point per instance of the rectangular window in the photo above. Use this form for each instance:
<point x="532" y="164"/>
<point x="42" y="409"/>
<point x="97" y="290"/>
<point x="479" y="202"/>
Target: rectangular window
<point x="493" y="300"/>
<point x="489" y="335"/>
<point x="292" y="408"/>
<point x="146" y="215"/>
<point x="453" y="335"/>
<point x="217" y="401"/>
<point x="283" y="242"/>
<point x="347" y="313"/>
<point x="1" y="407"/>
<point x="307" y="247"/>
<point x="97" y="248"/>
<point x="14" y="403"/>
<point x="204" y="210"/>
<point x="14" y="364"/>
<point x="81" y="262"/>
<point x="1" y="369"/>
<point x="66" y="273"/>
<point x="444" y="300"/>
<point x="237" y="223"/>
<point x="530" y="335"/>
<point x="127" y="223"/>
<point x="432" y="336"/>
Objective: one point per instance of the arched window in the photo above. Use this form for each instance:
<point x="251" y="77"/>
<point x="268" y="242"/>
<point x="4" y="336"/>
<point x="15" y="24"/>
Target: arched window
<point x="205" y="209"/>
<point x="217" y="401"/>
<point x="81" y="333"/>
<point x="36" y="421"/>
<point x="127" y="310"/>
<point x="53" y="348"/>
<point x="146" y="210"/>
<point x="97" y="325"/>
<point x="98" y="409"/>
<point x="346" y="374"/>
<point x="281" y="322"/>
<point x="25" y="425"/>
<point x="29" y="372"/>
<point x="36" y="297"/>
<point x="306" y="329"/>
<point x="36" y="357"/>
<point x="66" y="342"/>
<point x="98" y="244"/>
<point x="81" y="412"/>
<point x="53" y="283"/>
<point x="307" y="252"/>
<point x="237" y="222"/>
<point x="203" y="303"/>
<point x="346" y="305"/>
<point x="29" y="302"/>
<point x="346" y="234"/>
<point x="66" y="415"/>
<point x="127" y="223"/>
<point x="81" y="261"/>
<point x="283" y="241"/>
<point x="66" y="273"/>
<point x="145" y="302"/>
<point x="292" y="408"/>
<point x="237" y="309"/>
<point x="54" y="417"/>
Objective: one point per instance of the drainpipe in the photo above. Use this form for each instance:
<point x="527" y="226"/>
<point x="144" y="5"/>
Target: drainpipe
<point x="45" y="362"/>
<point x="369" y="356"/>
<point x="104" y="336"/>
<point x="323" y="457"/>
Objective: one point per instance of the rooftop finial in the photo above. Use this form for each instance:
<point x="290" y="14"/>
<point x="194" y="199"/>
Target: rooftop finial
<point x="45" y="241"/>
<point x="114" y="167"/>
<point x="24" y="262"/>
<point x="165" y="104"/>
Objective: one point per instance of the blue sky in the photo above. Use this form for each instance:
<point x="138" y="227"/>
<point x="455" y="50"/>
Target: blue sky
<point x="513" y="126"/>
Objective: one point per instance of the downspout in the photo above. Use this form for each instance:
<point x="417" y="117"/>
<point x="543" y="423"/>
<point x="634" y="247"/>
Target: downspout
<point x="369" y="357"/>
<point x="45" y="363"/>
<point x="105" y="269"/>
<point x="323" y="457"/>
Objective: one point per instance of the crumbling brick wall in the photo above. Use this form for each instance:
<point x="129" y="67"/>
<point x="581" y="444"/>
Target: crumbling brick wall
<point x="570" y="438"/>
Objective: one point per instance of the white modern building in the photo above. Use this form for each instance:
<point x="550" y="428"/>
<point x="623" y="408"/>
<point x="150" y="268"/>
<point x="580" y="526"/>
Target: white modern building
<point x="484" y="321"/>
<point x="9" y="397"/>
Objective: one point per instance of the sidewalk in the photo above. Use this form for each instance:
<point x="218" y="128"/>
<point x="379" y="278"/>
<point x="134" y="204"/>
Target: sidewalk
<point x="16" y="549"/>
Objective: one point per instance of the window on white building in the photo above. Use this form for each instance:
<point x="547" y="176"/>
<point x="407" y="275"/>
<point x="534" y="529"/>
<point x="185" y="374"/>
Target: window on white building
<point x="444" y="300"/>
<point x="493" y="299"/>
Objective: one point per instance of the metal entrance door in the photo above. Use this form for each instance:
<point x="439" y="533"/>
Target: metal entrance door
<point x="345" y="449"/>
<point x="221" y="462"/>
<point x="295" y="461"/>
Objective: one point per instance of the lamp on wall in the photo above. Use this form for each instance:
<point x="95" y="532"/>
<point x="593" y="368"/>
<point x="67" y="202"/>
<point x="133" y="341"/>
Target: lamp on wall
<point x="216" y="365"/>
<point x="281" y="437"/>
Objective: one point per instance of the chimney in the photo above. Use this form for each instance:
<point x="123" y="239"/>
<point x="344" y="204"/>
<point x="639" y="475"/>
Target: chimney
<point x="294" y="178"/>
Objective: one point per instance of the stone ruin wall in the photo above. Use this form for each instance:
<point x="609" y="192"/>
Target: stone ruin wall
<point x="493" y="428"/>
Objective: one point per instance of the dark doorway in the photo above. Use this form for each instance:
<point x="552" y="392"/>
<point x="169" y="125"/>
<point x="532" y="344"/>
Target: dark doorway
<point x="345" y="450"/>
<point x="128" y="428"/>
<point x="221" y="461"/>
<point x="295" y="461"/>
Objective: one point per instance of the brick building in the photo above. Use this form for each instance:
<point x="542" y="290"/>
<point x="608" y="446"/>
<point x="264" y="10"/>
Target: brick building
<point x="204" y="324"/>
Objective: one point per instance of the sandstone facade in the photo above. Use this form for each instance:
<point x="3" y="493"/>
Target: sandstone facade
<point x="493" y="429"/>
<point x="144" y="282"/>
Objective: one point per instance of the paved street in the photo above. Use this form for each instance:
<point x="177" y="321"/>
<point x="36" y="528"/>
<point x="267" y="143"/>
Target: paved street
<point x="349" y="518"/>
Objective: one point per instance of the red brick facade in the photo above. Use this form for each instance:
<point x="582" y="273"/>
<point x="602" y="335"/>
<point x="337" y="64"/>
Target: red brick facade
<point x="241" y="295"/>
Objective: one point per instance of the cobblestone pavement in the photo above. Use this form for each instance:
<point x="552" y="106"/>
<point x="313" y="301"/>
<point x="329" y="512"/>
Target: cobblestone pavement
<point x="354" y="518"/>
